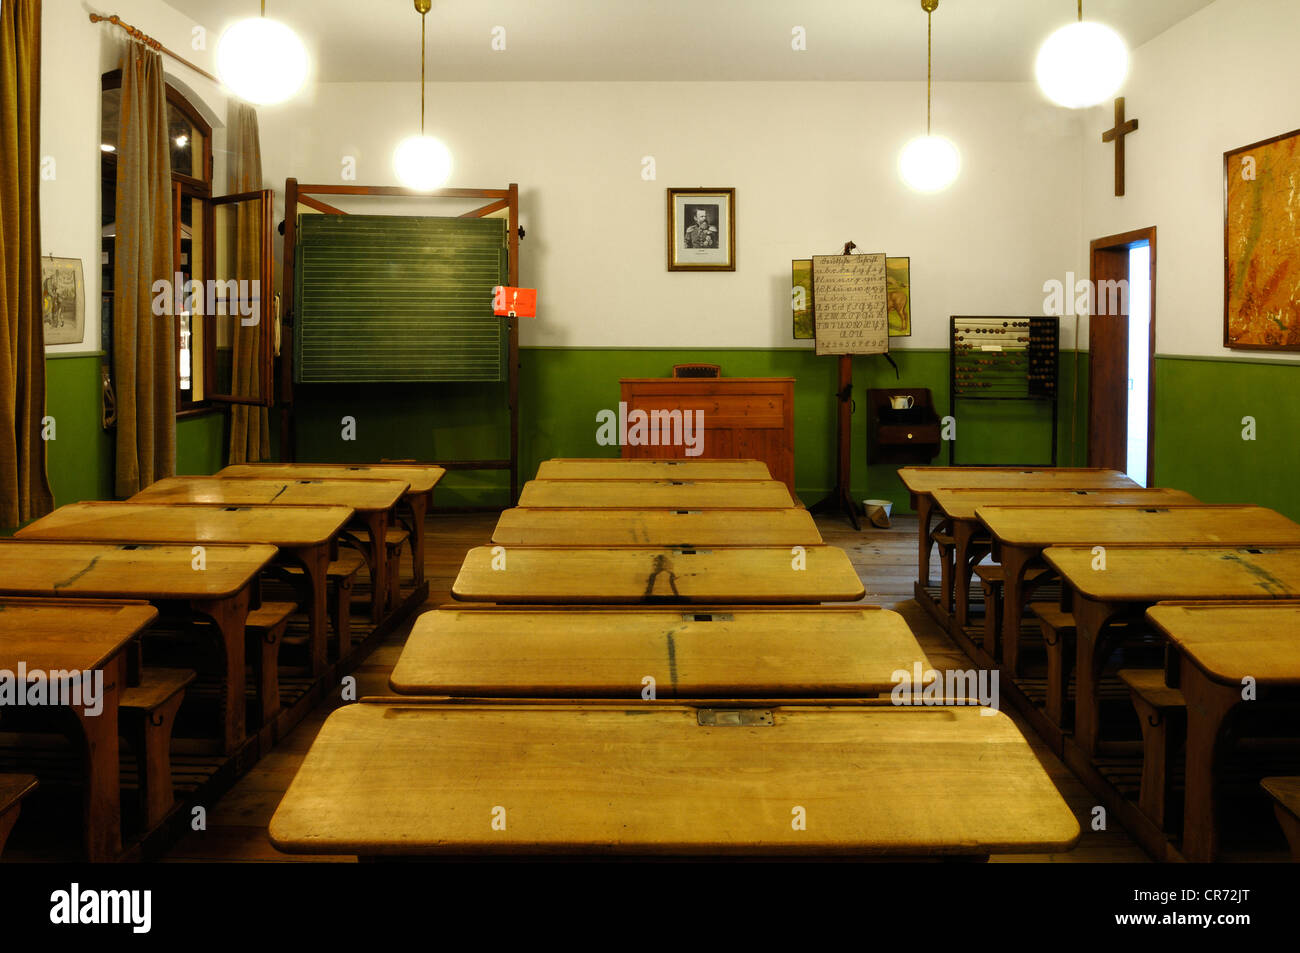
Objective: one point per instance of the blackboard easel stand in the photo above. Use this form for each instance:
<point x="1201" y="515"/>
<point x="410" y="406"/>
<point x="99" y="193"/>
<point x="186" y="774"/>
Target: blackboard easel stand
<point x="840" y="499"/>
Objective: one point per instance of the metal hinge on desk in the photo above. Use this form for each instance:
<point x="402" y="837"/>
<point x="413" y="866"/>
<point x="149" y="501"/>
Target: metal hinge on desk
<point x="734" y="717"/>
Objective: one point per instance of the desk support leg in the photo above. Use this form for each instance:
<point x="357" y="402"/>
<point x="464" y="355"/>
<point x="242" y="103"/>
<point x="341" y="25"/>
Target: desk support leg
<point x="1208" y="706"/>
<point x="1014" y="562"/>
<point x="377" y="526"/>
<point x="923" y="507"/>
<point x="230" y="616"/>
<point x="966" y="552"/>
<point x="103" y="796"/>
<point x="315" y="561"/>
<point x="419" y="509"/>
<point x="1090" y="621"/>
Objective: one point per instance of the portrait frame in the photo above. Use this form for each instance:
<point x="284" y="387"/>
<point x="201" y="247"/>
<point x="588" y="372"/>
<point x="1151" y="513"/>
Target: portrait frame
<point x="702" y="229"/>
<point x="63" y="300"/>
<point x="1255" y="316"/>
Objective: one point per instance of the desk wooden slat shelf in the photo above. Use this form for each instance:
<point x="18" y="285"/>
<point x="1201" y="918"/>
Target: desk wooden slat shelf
<point x="675" y="779"/>
<point x="704" y="652"/>
<point x="692" y="468"/>
<point x="649" y="494"/>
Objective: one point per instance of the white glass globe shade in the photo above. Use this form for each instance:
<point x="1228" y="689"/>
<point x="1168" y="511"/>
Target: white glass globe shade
<point x="1082" y="64"/>
<point x="261" y="61"/>
<point x="422" y="163"/>
<point x="929" y="163"/>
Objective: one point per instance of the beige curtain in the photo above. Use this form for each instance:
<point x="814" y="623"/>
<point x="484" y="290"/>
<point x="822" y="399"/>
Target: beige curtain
<point x="144" y="344"/>
<point x="24" y="487"/>
<point x="250" y="436"/>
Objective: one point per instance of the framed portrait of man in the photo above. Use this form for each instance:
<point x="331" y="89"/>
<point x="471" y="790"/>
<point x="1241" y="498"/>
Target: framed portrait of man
<point x="701" y="229"/>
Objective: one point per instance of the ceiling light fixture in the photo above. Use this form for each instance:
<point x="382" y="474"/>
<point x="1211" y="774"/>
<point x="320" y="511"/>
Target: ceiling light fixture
<point x="422" y="162"/>
<point x="1082" y="64"/>
<point x="261" y="61"/>
<point x="929" y="163"/>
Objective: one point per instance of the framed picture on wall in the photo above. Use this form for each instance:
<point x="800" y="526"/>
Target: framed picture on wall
<point x="701" y="229"/>
<point x="1261" y="245"/>
<point x="63" y="300"/>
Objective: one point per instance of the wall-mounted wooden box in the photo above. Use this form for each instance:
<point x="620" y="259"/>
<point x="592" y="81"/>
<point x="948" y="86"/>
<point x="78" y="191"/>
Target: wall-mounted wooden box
<point x="901" y="436"/>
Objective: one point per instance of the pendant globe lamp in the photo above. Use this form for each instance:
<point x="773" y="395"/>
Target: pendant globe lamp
<point x="929" y="163"/>
<point x="1082" y="64"/>
<point x="422" y="162"/>
<point x="261" y="61"/>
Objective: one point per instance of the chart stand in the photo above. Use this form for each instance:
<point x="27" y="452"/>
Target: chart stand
<point x="840" y="499"/>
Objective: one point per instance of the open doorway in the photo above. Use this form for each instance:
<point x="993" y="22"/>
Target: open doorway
<point x="1121" y="350"/>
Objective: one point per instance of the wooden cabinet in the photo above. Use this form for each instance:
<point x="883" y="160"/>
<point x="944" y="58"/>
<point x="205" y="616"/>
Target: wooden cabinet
<point x="743" y="418"/>
<point x="902" y="436"/>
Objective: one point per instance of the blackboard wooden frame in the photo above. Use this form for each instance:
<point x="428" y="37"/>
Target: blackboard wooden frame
<point x="296" y="194"/>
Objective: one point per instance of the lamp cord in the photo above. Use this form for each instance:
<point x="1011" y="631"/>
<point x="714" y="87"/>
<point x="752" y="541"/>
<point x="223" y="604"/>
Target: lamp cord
<point x="1080" y="11"/>
<point x="422" y="72"/>
<point x="929" y="73"/>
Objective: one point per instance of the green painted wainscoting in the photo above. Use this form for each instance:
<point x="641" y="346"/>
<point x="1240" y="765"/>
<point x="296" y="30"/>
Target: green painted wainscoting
<point x="1200" y="404"/>
<point x="562" y="389"/>
<point x="80" y="461"/>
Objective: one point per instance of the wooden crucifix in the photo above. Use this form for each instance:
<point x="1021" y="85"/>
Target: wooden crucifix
<point x="1117" y="135"/>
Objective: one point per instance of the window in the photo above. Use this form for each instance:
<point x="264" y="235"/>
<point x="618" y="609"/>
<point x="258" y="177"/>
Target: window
<point x="191" y="162"/>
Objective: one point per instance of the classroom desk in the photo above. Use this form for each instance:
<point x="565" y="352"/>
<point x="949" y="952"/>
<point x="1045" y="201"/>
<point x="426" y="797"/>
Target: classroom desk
<point x="1021" y="533"/>
<point x="613" y="468"/>
<point x="421" y="478"/>
<point x="921" y="482"/>
<point x="576" y="575"/>
<point x="1138" y="577"/>
<point x="1218" y="645"/>
<point x="959" y="506"/>
<point x="753" y="778"/>
<point x="372" y="501"/>
<point x="556" y="527"/>
<point x="651" y="494"/>
<point x="222" y="592"/>
<point x="82" y="636"/>
<point x="307" y="534"/>
<point x="719" y="652"/>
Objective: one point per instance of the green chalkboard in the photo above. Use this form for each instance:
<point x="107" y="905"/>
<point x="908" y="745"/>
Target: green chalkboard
<point x="394" y="298"/>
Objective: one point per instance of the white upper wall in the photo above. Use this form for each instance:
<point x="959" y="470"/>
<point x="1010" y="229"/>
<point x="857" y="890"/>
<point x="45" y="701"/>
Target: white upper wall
<point x="75" y="54"/>
<point x="813" y="165"/>
<point x="1223" y="78"/>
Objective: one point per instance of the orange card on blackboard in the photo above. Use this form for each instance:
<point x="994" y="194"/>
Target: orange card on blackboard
<point x="514" y="302"/>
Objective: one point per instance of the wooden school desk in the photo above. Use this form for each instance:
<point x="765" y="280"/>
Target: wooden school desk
<point x="609" y="527"/>
<point x="720" y="652"/>
<point x="663" y="778"/>
<point x="648" y="494"/>
<point x="921" y="482"/>
<point x="1137" y="577"/>
<point x="372" y="500"/>
<point x="1219" y="645"/>
<point x="575" y="575"/>
<point x="46" y="635"/>
<point x="1021" y="533"/>
<point x="697" y="468"/>
<point x="421" y="479"/>
<point x="160" y="574"/>
<point x="307" y="534"/>
<point x="959" y="506"/>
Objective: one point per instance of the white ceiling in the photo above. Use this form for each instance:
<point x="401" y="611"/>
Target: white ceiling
<point x="379" y="40"/>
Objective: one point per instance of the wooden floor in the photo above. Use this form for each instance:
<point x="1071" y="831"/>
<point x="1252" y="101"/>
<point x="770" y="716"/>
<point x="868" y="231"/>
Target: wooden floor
<point x="886" y="561"/>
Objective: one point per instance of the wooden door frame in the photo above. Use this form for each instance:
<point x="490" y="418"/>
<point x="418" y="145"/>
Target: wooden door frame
<point x="1111" y="243"/>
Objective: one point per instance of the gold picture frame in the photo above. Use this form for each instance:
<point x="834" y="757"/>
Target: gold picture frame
<point x="701" y="229"/>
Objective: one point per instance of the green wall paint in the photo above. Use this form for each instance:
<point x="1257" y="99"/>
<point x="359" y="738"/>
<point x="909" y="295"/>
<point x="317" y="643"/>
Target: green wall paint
<point x="561" y="390"/>
<point x="1199" y="447"/>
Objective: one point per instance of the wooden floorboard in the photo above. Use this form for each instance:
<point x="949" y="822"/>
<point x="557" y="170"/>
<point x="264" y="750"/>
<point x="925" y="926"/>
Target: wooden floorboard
<point x="884" y="558"/>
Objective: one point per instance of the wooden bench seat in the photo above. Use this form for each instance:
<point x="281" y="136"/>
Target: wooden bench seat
<point x="1162" y="713"/>
<point x="13" y="788"/>
<point x="341" y="575"/>
<point x="1286" y="804"/>
<point x="1058" y="636"/>
<point x="146" y="714"/>
<point x="264" y="634"/>
<point x="992" y="578"/>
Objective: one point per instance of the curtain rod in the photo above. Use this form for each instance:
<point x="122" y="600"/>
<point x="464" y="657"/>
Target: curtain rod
<point x="150" y="42"/>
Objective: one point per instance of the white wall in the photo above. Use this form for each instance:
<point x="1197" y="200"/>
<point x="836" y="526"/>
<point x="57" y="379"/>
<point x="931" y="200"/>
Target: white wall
<point x="1225" y="77"/>
<point x="75" y="54"/>
<point x="814" y="165"/>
